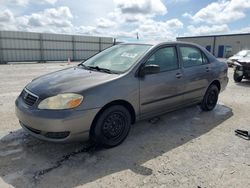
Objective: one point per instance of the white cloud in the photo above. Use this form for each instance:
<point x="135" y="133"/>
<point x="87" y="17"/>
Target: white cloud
<point x="57" y="18"/>
<point x="49" y="20"/>
<point x="58" y="13"/>
<point x="26" y="2"/>
<point x="174" y="24"/>
<point x="7" y="20"/>
<point x="178" y="1"/>
<point x="6" y="16"/>
<point x="21" y="2"/>
<point x="144" y="7"/>
<point x="105" y="23"/>
<point x="221" y="12"/>
<point x="243" y="30"/>
<point x="207" y="30"/>
<point x="137" y="16"/>
<point x="50" y="1"/>
<point x="125" y="20"/>
<point x="122" y="22"/>
<point x="150" y="30"/>
<point x="159" y="31"/>
<point x="86" y="30"/>
<point x="135" y="10"/>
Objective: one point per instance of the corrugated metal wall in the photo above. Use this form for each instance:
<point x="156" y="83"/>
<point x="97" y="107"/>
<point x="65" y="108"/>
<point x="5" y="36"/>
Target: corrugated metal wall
<point x="25" y="46"/>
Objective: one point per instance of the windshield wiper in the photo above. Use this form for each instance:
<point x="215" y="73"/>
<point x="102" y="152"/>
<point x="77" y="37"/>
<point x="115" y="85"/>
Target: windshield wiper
<point x="102" y="69"/>
<point x="98" y="69"/>
<point x="84" y="66"/>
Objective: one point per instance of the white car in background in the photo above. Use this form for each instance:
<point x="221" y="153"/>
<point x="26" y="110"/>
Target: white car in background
<point x="242" y="69"/>
<point x="239" y="55"/>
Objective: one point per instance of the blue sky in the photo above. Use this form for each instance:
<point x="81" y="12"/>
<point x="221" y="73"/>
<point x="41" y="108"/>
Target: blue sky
<point x="154" y="20"/>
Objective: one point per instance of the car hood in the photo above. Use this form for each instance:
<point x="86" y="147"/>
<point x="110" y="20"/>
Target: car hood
<point x="244" y="60"/>
<point x="235" y="57"/>
<point x="74" y="79"/>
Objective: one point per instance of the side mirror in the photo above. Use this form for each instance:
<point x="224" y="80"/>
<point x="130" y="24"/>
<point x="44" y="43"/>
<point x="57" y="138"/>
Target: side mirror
<point x="150" y="69"/>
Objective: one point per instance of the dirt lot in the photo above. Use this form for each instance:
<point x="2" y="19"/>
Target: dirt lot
<point x="186" y="148"/>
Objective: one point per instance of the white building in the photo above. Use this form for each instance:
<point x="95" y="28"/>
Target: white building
<point x="221" y="45"/>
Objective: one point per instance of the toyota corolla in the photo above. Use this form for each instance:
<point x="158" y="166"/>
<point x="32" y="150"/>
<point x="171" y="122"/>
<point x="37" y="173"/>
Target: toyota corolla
<point x="102" y="97"/>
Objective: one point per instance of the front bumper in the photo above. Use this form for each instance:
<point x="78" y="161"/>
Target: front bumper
<point x="242" y="71"/>
<point x="55" y="125"/>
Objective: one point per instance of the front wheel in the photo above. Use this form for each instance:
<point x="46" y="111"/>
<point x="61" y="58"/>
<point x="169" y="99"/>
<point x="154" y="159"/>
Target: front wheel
<point x="210" y="98"/>
<point x="112" y="126"/>
<point x="237" y="78"/>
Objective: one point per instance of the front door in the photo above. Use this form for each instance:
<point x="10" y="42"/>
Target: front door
<point x="163" y="90"/>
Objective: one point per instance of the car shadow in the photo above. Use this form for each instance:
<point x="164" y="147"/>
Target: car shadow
<point x="28" y="162"/>
<point x="245" y="83"/>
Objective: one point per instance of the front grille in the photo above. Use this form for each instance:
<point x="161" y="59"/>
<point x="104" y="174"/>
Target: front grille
<point x="57" y="135"/>
<point x="247" y="68"/>
<point x="29" y="98"/>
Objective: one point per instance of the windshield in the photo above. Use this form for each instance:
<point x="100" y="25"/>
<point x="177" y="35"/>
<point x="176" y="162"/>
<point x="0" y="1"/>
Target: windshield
<point x="118" y="58"/>
<point x="248" y="53"/>
<point x="243" y="53"/>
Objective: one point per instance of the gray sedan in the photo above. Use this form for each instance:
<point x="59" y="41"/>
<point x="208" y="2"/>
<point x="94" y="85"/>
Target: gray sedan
<point x="102" y="97"/>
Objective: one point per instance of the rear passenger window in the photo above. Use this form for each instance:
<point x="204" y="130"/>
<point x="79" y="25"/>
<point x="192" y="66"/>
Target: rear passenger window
<point x="191" y="56"/>
<point x="165" y="58"/>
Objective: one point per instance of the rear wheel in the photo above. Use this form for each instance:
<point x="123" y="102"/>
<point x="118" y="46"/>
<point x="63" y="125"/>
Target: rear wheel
<point x="112" y="126"/>
<point x="210" y="98"/>
<point x="237" y="78"/>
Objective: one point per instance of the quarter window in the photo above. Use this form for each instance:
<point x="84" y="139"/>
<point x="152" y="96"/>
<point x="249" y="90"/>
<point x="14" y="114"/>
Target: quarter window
<point x="205" y="59"/>
<point x="191" y="57"/>
<point x="165" y="58"/>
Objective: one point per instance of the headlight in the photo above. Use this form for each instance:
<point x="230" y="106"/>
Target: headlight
<point x="61" y="101"/>
<point x="237" y="64"/>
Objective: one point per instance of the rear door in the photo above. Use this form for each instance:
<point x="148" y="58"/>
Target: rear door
<point x="162" y="91"/>
<point x="196" y="70"/>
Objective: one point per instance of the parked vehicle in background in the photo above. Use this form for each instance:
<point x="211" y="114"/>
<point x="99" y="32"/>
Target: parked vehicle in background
<point x="242" y="69"/>
<point x="239" y="55"/>
<point x="103" y="96"/>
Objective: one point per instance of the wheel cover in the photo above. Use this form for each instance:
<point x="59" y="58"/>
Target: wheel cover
<point x="114" y="125"/>
<point x="212" y="98"/>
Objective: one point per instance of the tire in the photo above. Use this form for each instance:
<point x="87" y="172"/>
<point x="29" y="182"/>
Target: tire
<point x="210" y="98"/>
<point x="112" y="126"/>
<point x="237" y="78"/>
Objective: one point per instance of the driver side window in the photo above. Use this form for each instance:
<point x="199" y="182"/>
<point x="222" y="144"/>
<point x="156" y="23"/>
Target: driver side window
<point x="165" y="58"/>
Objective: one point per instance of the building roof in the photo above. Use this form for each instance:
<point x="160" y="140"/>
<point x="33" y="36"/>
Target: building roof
<point x="225" y="35"/>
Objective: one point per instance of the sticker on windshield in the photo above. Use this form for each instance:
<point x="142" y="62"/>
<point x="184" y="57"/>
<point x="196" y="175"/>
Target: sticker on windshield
<point x="129" y="55"/>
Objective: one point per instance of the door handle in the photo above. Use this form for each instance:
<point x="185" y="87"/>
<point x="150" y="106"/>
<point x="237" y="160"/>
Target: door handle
<point x="208" y="69"/>
<point x="178" y="75"/>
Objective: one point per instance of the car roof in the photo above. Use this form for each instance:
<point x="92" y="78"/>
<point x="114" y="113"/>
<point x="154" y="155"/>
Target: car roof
<point x="245" y="50"/>
<point x="158" y="43"/>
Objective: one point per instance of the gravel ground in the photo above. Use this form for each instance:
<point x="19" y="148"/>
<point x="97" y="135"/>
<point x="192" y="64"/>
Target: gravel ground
<point x="186" y="148"/>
